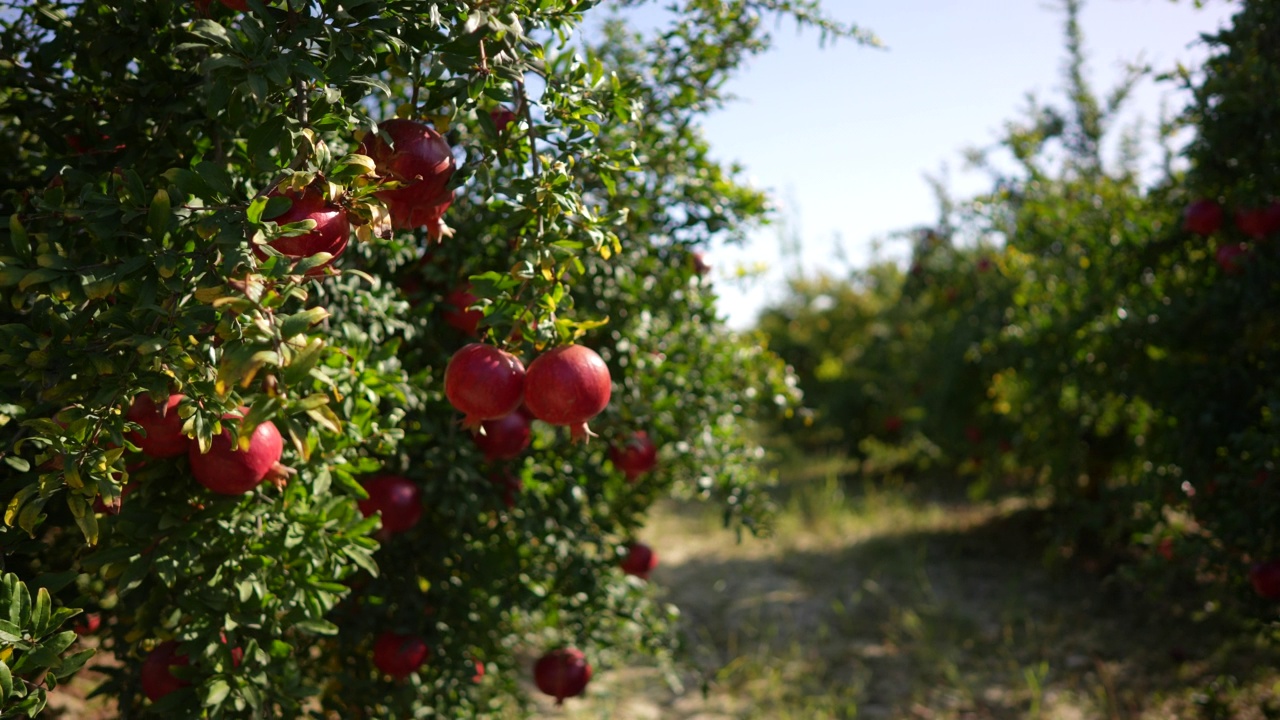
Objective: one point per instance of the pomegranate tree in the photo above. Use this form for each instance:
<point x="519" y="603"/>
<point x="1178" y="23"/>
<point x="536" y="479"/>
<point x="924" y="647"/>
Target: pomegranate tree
<point x="504" y="438"/>
<point x="419" y="159"/>
<point x="635" y="456"/>
<point x="484" y="383"/>
<point x="562" y="673"/>
<point x="228" y="470"/>
<point x="330" y="235"/>
<point x="161" y="434"/>
<point x="640" y="560"/>
<point x="568" y="385"/>
<point x="397" y="498"/>
<point x="399" y="655"/>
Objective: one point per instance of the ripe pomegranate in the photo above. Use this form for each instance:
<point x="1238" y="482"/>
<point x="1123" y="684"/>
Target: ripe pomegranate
<point x="893" y="424"/>
<point x="568" y="385"/>
<point x="419" y="158"/>
<point x="157" y="680"/>
<point x="161" y="435"/>
<point x="636" y="456"/>
<point x="1265" y="578"/>
<point x="502" y="118"/>
<point x="1231" y="257"/>
<point x="504" y="438"/>
<point x="562" y="673"/>
<point x="1202" y="217"/>
<point x="640" y="560"/>
<point x="700" y="264"/>
<point x="399" y="655"/>
<point x="330" y="234"/>
<point x="236" y="4"/>
<point x="510" y="484"/>
<point x="397" y="498"/>
<point x="88" y="624"/>
<point x="227" y="470"/>
<point x="483" y="382"/>
<point x="1259" y="222"/>
<point x="457" y="315"/>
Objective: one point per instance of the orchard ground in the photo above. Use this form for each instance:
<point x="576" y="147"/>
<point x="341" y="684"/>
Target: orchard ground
<point x="887" y="601"/>
<point x="890" y="602"/>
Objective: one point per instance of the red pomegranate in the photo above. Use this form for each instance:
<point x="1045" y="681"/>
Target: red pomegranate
<point x="457" y="315"/>
<point x="420" y="160"/>
<point x="161" y="435"/>
<point x="568" y="385"/>
<point x="504" y="438"/>
<point x="1231" y="257"/>
<point x="700" y="264"/>
<point x="88" y="624"/>
<point x="157" y="679"/>
<point x="1259" y="222"/>
<point x="236" y="4"/>
<point x="398" y="499"/>
<point x="1202" y="217"/>
<point x="640" y="560"/>
<point x="502" y="118"/>
<point x="562" y="673"/>
<point x="510" y="484"/>
<point x="227" y="470"/>
<point x="479" y="674"/>
<point x="483" y="382"/>
<point x="399" y="655"/>
<point x="636" y="456"/>
<point x="330" y="234"/>
<point x="893" y="424"/>
<point x="1265" y="578"/>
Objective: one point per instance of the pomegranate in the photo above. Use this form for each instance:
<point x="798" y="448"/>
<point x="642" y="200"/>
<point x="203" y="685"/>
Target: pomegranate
<point x="568" y="385"/>
<point x="1202" y="217"/>
<point x="225" y="469"/>
<point x="1231" y="257"/>
<point x="157" y="679"/>
<point x="397" y="498"/>
<point x="161" y="435"/>
<point x="640" y="560"/>
<point x="479" y="674"/>
<point x="504" y="438"/>
<point x="636" y="456"/>
<point x="457" y="315"/>
<point x="502" y="118"/>
<point x="511" y="486"/>
<point x="700" y="264"/>
<point x="399" y="655"/>
<point x="236" y="4"/>
<point x="1259" y="222"/>
<point x="893" y="424"/>
<point x="483" y="382"/>
<point x="420" y="160"/>
<point x="330" y="234"/>
<point x="1265" y="578"/>
<point x="562" y="673"/>
<point x="88" y="624"/>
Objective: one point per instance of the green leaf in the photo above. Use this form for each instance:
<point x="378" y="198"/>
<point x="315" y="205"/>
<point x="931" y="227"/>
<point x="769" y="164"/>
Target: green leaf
<point x="158" y="214"/>
<point x="6" y="683"/>
<point x="72" y="663"/>
<point x="40" y="616"/>
<point x="10" y="633"/>
<point x="298" y="323"/>
<point x="317" y="627"/>
<point x="214" y="692"/>
<point x="211" y="31"/>
<point x="17" y="463"/>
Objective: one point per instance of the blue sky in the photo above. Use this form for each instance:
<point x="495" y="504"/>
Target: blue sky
<point x="847" y="167"/>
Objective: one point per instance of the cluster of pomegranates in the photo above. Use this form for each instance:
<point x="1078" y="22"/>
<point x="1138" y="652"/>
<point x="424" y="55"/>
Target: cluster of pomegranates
<point x="414" y="161"/>
<point x="1205" y="217"/>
